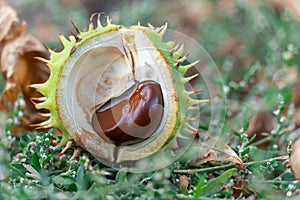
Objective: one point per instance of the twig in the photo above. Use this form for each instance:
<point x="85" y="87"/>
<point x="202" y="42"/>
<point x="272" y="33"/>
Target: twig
<point x="228" y="166"/>
<point x="33" y="173"/>
<point x="280" y="182"/>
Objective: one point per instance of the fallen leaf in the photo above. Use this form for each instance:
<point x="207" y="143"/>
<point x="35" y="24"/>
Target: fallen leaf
<point x="295" y="159"/>
<point x="297" y="117"/>
<point x="240" y="186"/>
<point x="183" y="183"/>
<point x="296" y="101"/>
<point x="216" y="150"/>
<point x="18" y="66"/>
<point x="292" y="5"/>
<point x="230" y="47"/>
<point x="261" y="122"/>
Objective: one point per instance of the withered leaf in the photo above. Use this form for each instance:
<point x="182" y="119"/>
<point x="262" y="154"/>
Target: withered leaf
<point x="295" y="159"/>
<point x="18" y="66"/>
<point x="296" y="101"/>
<point x="296" y="117"/>
<point x="262" y="122"/>
<point x="216" y="150"/>
<point x="293" y="6"/>
<point x="183" y="183"/>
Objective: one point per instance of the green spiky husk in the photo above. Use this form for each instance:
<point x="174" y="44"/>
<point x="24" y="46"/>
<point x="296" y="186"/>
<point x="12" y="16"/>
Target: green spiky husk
<point x="58" y="60"/>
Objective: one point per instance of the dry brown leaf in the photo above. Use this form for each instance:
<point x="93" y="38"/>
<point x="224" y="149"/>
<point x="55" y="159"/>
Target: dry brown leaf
<point x="295" y="159"/>
<point x="296" y="101"/>
<point x="18" y="66"/>
<point x="183" y="183"/>
<point x="292" y="5"/>
<point x="297" y="117"/>
<point x="230" y="47"/>
<point x="261" y="122"/>
<point x="216" y="150"/>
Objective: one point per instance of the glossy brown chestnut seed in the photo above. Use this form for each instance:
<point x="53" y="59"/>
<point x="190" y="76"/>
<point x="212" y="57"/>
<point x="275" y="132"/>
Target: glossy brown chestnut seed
<point x="133" y="119"/>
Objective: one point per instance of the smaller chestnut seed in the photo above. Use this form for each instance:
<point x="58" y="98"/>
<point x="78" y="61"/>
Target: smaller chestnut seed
<point x="131" y="120"/>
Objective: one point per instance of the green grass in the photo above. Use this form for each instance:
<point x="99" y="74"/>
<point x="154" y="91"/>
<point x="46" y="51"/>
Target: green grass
<point x="33" y="169"/>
